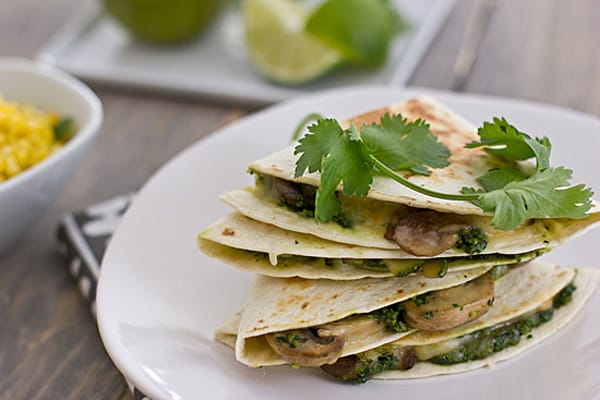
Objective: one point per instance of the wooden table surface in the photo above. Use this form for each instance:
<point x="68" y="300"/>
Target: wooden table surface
<point x="543" y="50"/>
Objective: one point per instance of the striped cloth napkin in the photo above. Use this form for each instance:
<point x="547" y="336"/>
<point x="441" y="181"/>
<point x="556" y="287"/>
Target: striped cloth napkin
<point x="82" y="239"/>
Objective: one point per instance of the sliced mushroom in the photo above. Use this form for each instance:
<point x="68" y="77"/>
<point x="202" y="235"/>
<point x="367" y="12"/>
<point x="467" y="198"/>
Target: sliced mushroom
<point x="449" y="308"/>
<point x="425" y="232"/>
<point x="297" y="196"/>
<point x="289" y="193"/>
<point x="359" y="369"/>
<point x="303" y="347"/>
<point x="352" y="329"/>
<point x="344" y="368"/>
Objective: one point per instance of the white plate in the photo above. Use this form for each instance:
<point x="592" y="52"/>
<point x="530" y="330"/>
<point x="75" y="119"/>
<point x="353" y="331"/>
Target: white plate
<point x="93" y="47"/>
<point x="159" y="298"/>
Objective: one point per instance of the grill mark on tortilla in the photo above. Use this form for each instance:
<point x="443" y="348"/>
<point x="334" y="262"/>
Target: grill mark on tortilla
<point x="228" y="232"/>
<point x="442" y="124"/>
<point x="368" y="118"/>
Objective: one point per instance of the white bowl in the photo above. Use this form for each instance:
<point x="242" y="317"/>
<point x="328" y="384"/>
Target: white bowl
<point x="24" y="197"/>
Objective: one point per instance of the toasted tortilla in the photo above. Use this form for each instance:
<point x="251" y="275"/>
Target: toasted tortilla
<point x="227" y="332"/>
<point x="373" y="216"/>
<point x="452" y="130"/>
<point x="276" y="305"/>
<point x="315" y="267"/>
<point x="238" y="231"/>
<point x="586" y="282"/>
<point x="521" y="291"/>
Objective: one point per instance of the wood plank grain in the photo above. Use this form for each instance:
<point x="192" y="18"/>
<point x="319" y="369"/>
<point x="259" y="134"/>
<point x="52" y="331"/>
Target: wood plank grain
<point x="541" y="50"/>
<point x="50" y="345"/>
<point x="435" y="70"/>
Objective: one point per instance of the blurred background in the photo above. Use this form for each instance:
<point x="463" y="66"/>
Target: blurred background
<point x="163" y="88"/>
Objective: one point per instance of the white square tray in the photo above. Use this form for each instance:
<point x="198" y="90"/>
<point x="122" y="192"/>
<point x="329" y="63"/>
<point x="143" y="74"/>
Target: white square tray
<point x="95" y="48"/>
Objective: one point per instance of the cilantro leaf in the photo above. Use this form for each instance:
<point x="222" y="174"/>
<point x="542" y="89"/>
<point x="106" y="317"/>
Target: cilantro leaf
<point x="344" y="156"/>
<point x="544" y="194"/>
<point x="315" y="145"/>
<point x="504" y="140"/>
<point x="499" y="177"/>
<point x="541" y="148"/>
<point x="403" y="145"/>
<point x="338" y="154"/>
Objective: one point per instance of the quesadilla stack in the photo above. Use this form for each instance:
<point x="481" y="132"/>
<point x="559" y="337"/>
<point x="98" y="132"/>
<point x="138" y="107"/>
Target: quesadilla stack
<point x="396" y="284"/>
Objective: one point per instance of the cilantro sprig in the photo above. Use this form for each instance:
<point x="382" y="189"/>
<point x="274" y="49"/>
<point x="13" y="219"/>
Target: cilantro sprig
<point x="504" y="140"/>
<point x="352" y="158"/>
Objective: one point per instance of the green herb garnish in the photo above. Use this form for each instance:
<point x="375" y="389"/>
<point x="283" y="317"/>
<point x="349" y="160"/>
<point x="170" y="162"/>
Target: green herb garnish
<point x="471" y="240"/>
<point x="504" y="140"/>
<point x="394" y="144"/>
<point x="444" y="270"/>
<point x="64" y="130"/>
<point x="290" y="339"/>
<point x="421" y="299"/>
<point x="392" y="316"/>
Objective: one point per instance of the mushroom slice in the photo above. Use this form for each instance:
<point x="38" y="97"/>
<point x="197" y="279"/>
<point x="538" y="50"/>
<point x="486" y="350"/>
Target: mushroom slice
<point x="425" y="233"/>
<point x="344" y="368"/>
<point x="360" y="368"/>
<point x="303" y="347"/>
<point x="289" y="193"/>
<point x="295" y="195"/>
<point x="449" y="308"/>
<point x="353" y="329"/>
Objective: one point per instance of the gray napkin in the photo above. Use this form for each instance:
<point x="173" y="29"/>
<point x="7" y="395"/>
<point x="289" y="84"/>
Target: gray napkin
<point x="82" y="239"/>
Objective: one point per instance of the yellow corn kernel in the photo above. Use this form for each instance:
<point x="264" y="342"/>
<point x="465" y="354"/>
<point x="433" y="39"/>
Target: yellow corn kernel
<point x="12" y="166"/>
<point x="26" y="137"/>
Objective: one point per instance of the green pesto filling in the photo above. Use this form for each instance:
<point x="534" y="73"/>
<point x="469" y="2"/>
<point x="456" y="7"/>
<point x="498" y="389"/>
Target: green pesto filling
<point x="499" y="271"/>
<point x="367" y="366"/>
<point x="290" y="339"/>
<point x="404" y="267"/>
<point x="392" y="316"/>
<point x="471" y="240"/>
<point x="480" y="345"/>
<point x="486" y="342"/>
<point x="372" y="264"/>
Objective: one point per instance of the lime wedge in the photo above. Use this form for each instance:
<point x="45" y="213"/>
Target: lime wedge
<point x="278" y="45"/>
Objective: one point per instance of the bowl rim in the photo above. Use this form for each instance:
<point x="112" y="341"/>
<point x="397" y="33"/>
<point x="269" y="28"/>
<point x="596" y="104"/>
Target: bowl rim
<point x="85" y="133"/>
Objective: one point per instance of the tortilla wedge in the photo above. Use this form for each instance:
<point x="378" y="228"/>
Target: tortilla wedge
<point x="586" y="282"/>
<point x="370" y="216"/>
<point x="466" y="164"/>
<point x="240" y="241"/>
<point x="345" y="269"/>
<point x="276" y="305"/>
<point x="374" y="217"/>
<point x="518" y="293"/>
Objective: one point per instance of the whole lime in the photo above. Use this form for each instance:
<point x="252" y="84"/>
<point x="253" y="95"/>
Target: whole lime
<point x="164" y="21"/>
